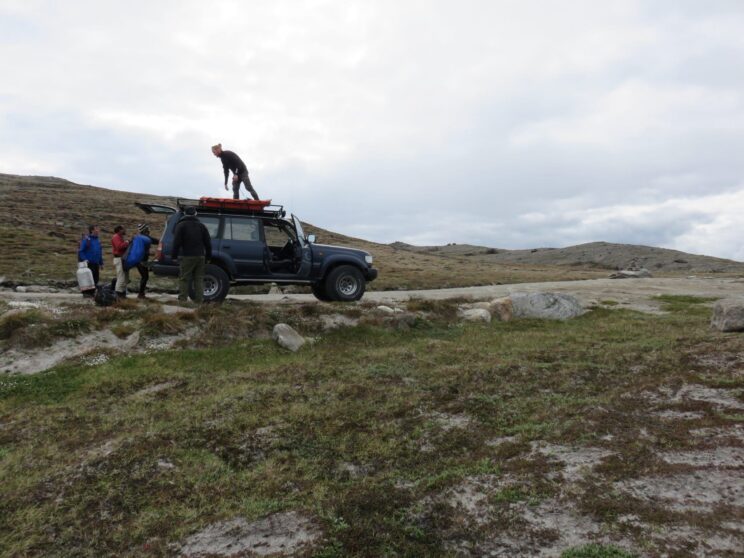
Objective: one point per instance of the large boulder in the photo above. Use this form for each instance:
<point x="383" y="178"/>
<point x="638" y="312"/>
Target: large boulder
<point x="547" y="306"/>
<point x="287" y="337"/>
<point x="728" y="315"/>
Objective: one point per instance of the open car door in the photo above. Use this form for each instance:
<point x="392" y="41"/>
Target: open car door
<point x="303" y="245"/>
<point x="151" y="208"/>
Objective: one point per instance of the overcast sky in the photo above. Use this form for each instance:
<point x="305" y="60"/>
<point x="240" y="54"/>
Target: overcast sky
<point x="504" y="123"/>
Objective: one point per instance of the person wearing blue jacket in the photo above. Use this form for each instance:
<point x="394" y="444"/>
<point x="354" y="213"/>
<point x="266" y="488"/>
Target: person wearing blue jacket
<point x="90" y="251"/>
<point x="137" y="255"/>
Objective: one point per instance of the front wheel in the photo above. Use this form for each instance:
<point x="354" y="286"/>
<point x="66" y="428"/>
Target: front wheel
<point x="216" y="284"/>
<point x="345" y="284"/>
<point x="320" y="292"/>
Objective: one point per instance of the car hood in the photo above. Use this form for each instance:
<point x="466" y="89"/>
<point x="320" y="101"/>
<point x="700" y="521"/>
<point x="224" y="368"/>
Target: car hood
<point x="329" y="249"/>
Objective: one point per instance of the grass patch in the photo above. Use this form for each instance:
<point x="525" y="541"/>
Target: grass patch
<point x="358" y="430"/>
<point x="597" y="551"/>
<point x="683" y="303"/>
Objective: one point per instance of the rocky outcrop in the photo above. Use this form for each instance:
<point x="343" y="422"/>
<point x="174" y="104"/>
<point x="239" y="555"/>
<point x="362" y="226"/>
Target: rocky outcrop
<point x="641" y="273"/>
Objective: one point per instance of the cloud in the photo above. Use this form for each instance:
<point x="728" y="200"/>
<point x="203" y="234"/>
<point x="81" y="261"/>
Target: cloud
<point x="510" y="123"/>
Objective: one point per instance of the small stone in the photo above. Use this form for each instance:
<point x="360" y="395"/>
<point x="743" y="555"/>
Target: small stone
<point x="385" y="309"/>
<point x="287" y="337"/>
<point x="501" y="309"/>
<point x="165" y="464"/>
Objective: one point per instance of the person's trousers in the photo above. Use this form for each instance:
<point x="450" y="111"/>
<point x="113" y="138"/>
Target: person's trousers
<point x="95" y="269"/>
<point x="191" y="269"/>
<point x="122" y="277"/>
<point x="144" y="277"/>
<point x="243" y="177"/>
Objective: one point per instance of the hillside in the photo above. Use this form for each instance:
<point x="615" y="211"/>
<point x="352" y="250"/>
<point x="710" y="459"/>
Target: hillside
<point x="604" y="255"/>
<point x="43" y="218"/>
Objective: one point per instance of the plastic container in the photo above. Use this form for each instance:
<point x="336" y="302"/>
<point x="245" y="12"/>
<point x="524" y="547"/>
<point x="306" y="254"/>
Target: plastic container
<point x="85" y="277"/>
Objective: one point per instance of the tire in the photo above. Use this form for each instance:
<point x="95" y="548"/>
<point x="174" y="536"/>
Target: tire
<point x="320" y="292"/>
<point x="345" y="284"/>
<point x="216" y="284"/>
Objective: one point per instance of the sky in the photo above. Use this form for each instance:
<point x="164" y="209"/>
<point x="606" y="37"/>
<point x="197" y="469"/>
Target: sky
<point x="502" y="123"/>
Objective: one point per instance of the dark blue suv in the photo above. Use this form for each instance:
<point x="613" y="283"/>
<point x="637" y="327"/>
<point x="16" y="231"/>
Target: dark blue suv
<point x="253" y="247"/>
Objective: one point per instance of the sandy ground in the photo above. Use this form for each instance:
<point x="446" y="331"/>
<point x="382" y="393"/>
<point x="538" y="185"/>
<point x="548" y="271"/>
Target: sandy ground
<point x="631" y="293"/>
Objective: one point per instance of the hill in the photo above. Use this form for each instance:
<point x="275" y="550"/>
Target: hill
<point x="42" y="219"/>
<point x="604" y="255"/>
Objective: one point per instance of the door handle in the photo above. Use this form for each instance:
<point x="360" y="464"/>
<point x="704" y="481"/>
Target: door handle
<point x="226" y="246"/>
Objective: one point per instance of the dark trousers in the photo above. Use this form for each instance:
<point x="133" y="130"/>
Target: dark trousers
<point x="243" y="177"/>
<point x="191" y="269"/>
<point x="144" y="277"/>
<point x="95" y="269"/>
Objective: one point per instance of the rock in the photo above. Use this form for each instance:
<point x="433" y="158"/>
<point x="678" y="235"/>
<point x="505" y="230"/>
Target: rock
<point x="275" y="290"/>
<point x="501" y="309"/>
<point x="287" y="337"/>
<point x="547" y="306"/>
<point x="631" y="274"/>
<point x="131" y="342"/>
<point x="728" y="315"/>
<point x="333" y="321"/>
<point x="474" y="314"/>
<point x="385" y="309"/>
<point x="35" y="289"/>
<point x="170" y="309"/>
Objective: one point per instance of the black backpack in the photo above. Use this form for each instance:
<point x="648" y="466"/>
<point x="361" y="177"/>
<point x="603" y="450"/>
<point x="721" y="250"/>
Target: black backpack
<point x="105" y="295"/>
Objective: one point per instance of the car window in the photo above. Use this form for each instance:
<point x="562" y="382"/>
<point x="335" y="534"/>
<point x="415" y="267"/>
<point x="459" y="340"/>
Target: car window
<point x="276" y="236"/>
<point x="242" y="229"/>
<point x="212" y="224"/>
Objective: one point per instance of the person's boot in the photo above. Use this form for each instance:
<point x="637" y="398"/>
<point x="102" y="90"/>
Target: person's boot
<point x="141" y="295"/>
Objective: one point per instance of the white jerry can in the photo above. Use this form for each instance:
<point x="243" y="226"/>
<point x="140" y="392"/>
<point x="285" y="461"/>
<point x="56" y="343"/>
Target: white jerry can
<point x="85" y="277"/>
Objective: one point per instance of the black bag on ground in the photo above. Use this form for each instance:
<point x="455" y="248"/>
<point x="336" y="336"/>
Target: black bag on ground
<point x="105" y="295"/>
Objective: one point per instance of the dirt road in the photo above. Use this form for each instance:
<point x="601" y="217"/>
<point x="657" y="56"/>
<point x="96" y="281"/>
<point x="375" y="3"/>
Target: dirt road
<point x="636" y="294"/>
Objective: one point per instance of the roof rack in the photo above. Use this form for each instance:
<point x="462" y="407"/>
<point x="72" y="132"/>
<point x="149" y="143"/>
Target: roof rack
<point x="276" y="211"/>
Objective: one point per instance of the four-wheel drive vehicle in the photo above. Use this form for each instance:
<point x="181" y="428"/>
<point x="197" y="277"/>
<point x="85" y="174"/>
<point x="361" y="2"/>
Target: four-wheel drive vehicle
<point x="257" y="246"/>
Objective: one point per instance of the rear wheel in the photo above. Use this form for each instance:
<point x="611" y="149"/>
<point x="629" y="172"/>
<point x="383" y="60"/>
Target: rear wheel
<point x="345" y="284"/>
<point x="216" y="284"/>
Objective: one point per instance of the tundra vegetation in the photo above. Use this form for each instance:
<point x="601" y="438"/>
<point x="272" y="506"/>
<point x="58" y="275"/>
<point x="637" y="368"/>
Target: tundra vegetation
<point x="423" y="436"/>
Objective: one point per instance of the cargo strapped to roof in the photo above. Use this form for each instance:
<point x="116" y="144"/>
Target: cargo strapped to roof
<point x="229" y="205"/>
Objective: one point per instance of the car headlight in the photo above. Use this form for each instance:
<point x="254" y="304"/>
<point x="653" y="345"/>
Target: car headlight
<point x="368" y="259"/>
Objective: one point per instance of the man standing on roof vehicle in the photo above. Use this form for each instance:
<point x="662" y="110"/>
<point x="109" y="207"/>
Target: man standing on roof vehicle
<point x="231" y="162"/>
<point x="192" y="238"/>
<point x="118" y="247"/>
<point x="91" y="253"/>
<point x="137" y="255"/>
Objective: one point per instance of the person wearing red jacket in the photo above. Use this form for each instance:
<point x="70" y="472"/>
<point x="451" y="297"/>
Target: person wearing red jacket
<point x="119" y="247"/>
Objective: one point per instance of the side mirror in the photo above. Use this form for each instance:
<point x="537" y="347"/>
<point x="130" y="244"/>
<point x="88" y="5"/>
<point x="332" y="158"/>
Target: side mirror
<point x="311" y="238"/>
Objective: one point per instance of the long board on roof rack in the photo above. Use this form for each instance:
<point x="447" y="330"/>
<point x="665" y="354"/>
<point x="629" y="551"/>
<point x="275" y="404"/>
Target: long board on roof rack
<point x="229" y="203"/>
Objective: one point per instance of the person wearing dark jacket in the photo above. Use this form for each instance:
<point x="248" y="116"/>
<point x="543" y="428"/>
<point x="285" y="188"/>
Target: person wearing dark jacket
<point x="191" y="238"/>
<point x="90" y="251"/>
<point x="231" y="162"/>
<point x="138" y="254"/>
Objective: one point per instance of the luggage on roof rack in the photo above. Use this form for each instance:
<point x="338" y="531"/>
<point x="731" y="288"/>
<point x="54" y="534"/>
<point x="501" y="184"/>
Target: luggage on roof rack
<point x="229" y="203"/>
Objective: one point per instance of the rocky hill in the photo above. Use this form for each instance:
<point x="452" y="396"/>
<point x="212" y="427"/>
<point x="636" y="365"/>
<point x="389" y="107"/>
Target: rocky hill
<point x="601" y="255"/>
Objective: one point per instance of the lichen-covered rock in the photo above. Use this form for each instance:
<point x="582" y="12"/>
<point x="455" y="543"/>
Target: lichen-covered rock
<point x="631" y="274"/>
<point x="545" y="306"/>
<point x="728" y="315"/>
